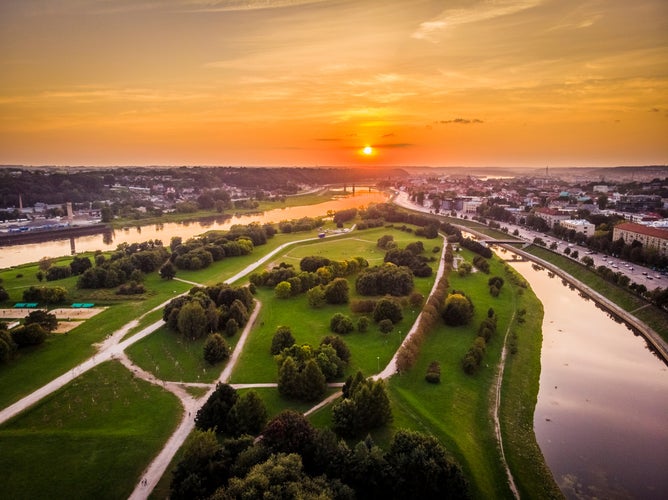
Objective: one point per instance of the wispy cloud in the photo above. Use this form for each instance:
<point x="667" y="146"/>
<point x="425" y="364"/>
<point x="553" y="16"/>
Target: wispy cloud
<point x="460" y="121"/>
<point x="481" y="11"/>
<point x="239" y="5"/>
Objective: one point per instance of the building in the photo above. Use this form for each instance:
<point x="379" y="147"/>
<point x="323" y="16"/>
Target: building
<point x="579" y="226"/>
<point x="551" y="216"/>
<point x="650" y="237"/>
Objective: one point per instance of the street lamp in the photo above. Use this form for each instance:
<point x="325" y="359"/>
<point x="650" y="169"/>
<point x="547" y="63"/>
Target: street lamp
<point x="378" y="362"/>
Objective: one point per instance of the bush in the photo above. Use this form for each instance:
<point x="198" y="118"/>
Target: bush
<point x="341" y="324"/>
<point x="215" y="349"/>
<point x="458" y="310"/>
<point x="385" y="326"/>
<point x="28" y="335"/>
<point x="388" y="308"/>
<point x="363" y="324"/>
<point x="337" y="292"/>
<point x="433" y="375"/>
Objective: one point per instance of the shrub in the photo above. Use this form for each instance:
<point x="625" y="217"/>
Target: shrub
<point x="341" y="324"/>
<point x="363" y="324"/>
<point x="215" y="349"/>
<point x="433" y="375"/>
<point x="458" y="310"/>
<point x="387" y="308"/>
<point x="385" y="326"/>
<point x="337" y="292"/>
<point x="27" y="335"/>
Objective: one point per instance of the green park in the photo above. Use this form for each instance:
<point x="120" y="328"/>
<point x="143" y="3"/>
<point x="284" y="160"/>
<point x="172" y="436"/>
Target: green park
<point x="99" y="432"/>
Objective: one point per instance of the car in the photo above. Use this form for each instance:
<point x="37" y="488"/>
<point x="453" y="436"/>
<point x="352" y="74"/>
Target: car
<point x="649" y="278"/>
<point x="644" y="273"/>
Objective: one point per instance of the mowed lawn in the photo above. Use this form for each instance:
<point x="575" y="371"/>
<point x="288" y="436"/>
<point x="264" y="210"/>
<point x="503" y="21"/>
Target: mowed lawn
<point x="91" y="439"/>
<point x="371" y="350"/>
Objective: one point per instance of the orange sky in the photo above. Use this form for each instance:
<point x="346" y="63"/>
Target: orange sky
<point x="306" y="82"/>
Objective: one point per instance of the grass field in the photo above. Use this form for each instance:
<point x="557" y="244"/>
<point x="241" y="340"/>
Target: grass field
<point x="91" y="439"/>
<point x="370" y="350"/>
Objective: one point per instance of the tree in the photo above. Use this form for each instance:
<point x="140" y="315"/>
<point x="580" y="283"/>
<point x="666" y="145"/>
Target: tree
<point x="214" y="414"/>
<point x="231" y="327"/>
<point x="27" y="335"/>
<point x="192" y="321"/>
<point x="282" y="339"/>
<point x="423" y="469"/>
<point x="364" y="406"/>
<point x="340" y="323"/>
<point x="248" y="414"/>
<point x="363" y="324"/>
<point x="464" y="269"/>
<point x="336" y="292"/>
<point x="385" y="326"/>
<point x="288" y="379"/>
<point x="388" y="308"/>
<point x="312" y="382"/>
<point x="283" y="290"/>
<point x="80" y="264"/>
<point x="342" y="350"/>
<point x="216" y="349"/>
<point x="46" y="320"/>
<point x="458" y="310"/>
<point x="168" y="271"/>
<point x="316" y="296"/>
<point x="288" y="432"/>
<point x="198" y="472"/>
<point x="106" y="214"/>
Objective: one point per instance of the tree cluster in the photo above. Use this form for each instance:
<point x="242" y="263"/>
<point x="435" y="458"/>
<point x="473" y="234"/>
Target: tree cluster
<point x="410" y="257"/>
<point x="218" y="308"/>
<point x="47" y="295"/>
<point x="473" y="358"/>
<point x="346" y="215"/>
<point x="128" y="262"/>
<point x="481" y="264"/>
<point x="427" y="320"/>
<point x="363" y="407"/>
<point x="295" y="460"/>
<point x="476" y="247"/>
<point x="387" y="279"/>
<point x="225" y="412"/>
<point x="495" y="283"/>
<point x="303" y="372"/>
<point x="300" y="225"/>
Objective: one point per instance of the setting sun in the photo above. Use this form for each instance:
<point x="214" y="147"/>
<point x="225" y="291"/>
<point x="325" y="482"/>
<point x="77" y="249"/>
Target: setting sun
<point x="368" y="150"/>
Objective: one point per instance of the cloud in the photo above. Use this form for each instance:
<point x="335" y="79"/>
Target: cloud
<point x="388" y="135"/>
<point x="239" y="5"/>
<point x="460" y="121"/>
<point x="393" y="145"/>
<point x="482" y="11"/>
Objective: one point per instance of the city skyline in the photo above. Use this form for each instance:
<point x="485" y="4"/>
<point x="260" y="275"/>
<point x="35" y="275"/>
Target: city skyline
<point x="506" y="83"/>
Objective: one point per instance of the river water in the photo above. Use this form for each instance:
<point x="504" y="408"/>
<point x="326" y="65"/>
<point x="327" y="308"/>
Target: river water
<point x="22" y="254"/>
<point x="601" y="418"/>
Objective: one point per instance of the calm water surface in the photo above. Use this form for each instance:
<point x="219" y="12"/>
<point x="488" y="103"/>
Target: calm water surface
<point x="22" y="254"/>
<point x="602" y="414"/>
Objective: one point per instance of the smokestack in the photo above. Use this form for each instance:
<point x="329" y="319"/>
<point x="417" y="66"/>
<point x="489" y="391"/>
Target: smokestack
<point x="70" y="215"/>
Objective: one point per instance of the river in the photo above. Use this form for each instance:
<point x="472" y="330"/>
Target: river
<point x="22" y="254"/>
<point x="601" y="419"/>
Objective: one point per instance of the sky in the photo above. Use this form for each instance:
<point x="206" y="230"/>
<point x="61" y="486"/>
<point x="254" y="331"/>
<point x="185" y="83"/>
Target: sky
<point x="526" y="83"/>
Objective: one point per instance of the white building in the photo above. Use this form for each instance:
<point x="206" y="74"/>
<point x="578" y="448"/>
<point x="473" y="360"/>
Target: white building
<point x="579" y="226"/>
